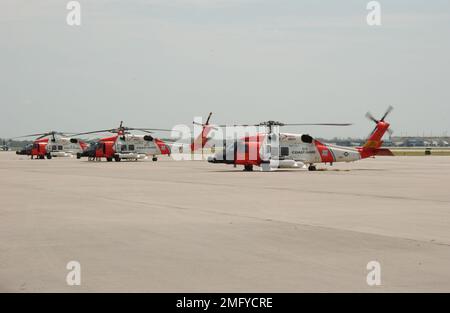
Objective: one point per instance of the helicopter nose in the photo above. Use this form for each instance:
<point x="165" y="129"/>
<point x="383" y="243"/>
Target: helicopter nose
<point x="88" y="153"/>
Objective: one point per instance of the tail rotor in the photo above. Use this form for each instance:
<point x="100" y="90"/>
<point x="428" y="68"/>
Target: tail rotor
<point x="375" y="138"/>
<point x="389" y="110"/>
<point x="370" y="117"/>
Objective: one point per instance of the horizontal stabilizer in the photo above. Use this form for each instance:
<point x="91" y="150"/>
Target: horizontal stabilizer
<point x="384" y="152"/>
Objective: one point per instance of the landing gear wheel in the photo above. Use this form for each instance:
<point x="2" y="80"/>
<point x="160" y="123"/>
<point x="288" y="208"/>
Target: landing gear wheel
<point x="312" y="168"/>
<point x="248" y="168"/>
<point x="117" y="158"/>
<point x="154" y="159"/>
<point x="109" y="159"/>
<point x="49" y="156"/>
<point x="78" y="156"/>
<point x="41" y="157"/>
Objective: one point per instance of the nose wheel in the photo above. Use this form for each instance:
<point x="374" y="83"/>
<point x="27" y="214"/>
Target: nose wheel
<point x="312" y="168"/>
<point x="248" y="168"/>
<point x="154" y="159"/>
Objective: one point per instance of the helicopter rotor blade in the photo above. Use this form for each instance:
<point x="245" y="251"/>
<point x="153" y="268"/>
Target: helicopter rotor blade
<point x="236" y="125"/>
<point x="96" y="132"/>
<point x="209" y="117"/>
<point x="43" y="136"/>
<point x="389" y="110"/>
<point x="211" y="126"/>
<point x="148" y="129"/>
<point x="270" y="124"/>
<point x="31" y="135"/>
<point x="318" y="124"/>
<point x="371" y="117"/>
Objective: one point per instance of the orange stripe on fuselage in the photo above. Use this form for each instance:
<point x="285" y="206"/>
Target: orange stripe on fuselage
<point x="326" y="155"/>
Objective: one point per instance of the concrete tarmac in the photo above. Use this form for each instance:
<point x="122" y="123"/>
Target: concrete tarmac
<point x="199" y="227"/>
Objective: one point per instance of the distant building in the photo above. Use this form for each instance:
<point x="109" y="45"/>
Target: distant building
<point x="421" y="141"/>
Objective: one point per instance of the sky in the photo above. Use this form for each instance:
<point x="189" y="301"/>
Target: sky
<point x="159" y="63"/>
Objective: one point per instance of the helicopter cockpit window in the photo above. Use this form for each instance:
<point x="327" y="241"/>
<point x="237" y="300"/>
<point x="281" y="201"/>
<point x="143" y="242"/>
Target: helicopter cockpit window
<point x="123" y="147"/>
<point x="53" y="148"/>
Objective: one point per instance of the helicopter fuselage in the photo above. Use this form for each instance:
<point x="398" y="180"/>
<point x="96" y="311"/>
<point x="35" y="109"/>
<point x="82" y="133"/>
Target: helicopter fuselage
<point x="126" y="147"/>
<point x="286" y="151"/>
<point x="58" y="147"/>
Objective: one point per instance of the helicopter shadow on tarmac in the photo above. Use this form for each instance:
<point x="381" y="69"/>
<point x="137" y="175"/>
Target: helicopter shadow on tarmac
<point x="301" y="170"/>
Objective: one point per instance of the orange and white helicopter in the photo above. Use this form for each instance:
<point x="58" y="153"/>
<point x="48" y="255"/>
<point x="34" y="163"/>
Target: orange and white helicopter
<point x="124" y="145"/>
<point x="272" y="149"/>
<point x="52" y="144"/>
<point x="4" y="146"/>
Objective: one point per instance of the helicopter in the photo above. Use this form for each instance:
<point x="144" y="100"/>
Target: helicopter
<point x="272" y="149"/>
<point x="52" y="144"/>
<point x="123" y="145"/>
<point x="4" y="146"/>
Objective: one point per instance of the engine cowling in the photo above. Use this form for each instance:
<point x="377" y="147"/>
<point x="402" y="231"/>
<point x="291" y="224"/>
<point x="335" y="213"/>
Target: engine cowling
<point x="307" y="138"/>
